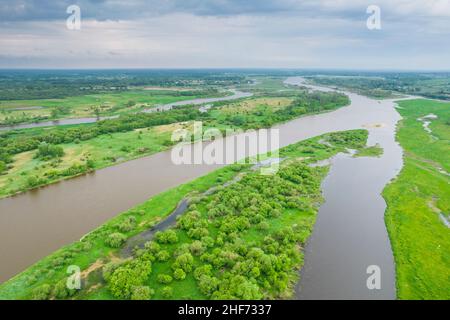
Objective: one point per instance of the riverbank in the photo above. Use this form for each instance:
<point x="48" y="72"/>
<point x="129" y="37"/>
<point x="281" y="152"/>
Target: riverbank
<point x="96" y="251"/>
<point x="41" y="221"/>
<point x="87" y="150"/>
<point x="418" y="199"/>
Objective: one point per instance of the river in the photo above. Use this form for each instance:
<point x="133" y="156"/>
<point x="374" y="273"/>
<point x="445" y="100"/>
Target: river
<point x="36" y="223"/>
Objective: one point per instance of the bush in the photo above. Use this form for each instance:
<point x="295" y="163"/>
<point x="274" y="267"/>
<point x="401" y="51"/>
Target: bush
<point x="163" y="256"/>
<point x="115" y="240"/>
<point x="197" y="248"/>
<point x="179" y="274"/>
<point x="47" y="151"/>
<point x="41" y="293"/>
<point x="3" y="167"/>
<point x="34" y="181"/>
<point x="141" y="293"/>
<point x="129" y="276"/>
<point x="127" y="224"/>
<point x="164" y="278"/>
<point x="152" y="246"/>
<point x="168" y="236"/>
<point x="109" y="268"/>
<point x="203" y="270"/>
<point x="167" y="292"/>
<point x="263" y="225"/>
<point x="184" y="262"/>
<point x="60" y="291"/>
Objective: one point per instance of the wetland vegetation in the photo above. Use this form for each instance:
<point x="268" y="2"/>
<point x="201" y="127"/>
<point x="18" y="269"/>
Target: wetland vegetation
<point x="419" y="203"/>
<point x="89" y="147"/>
<point x="240" y="240"/>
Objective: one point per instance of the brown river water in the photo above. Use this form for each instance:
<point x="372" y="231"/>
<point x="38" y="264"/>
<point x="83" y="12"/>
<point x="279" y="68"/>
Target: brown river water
<point x="349" y="234"/>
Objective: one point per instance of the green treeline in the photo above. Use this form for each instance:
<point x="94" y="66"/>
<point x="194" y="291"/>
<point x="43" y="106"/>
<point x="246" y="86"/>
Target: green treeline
<point x="304" y="103"/>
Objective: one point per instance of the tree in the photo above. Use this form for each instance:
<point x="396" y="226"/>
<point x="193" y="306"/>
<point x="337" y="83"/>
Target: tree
<point x="167" y="292"/>
<point x="197" y="248"/>
<point x="163" y="255"/>
<point x="164" y="278"/>
<point x="208" y="285"/>
<point x="179" y="274"/>
<point x="205" y="269"/>
<point x="168" y="236"/>
<point x="142" y="293"/>
<point x="47" y="151"/>
<point x="184" y="262"/>
<point x="109" y="268"/>
<point x="60" y="291"/>
<point x="41" y="293"/>
<point x="128" y="276"/>
<point x="115" y="240"/>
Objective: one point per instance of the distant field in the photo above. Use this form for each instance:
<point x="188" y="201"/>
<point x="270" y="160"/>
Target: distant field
<point x="391" y="85"/>
<point x="18" y="111"/>
<point x="418" y="202"/>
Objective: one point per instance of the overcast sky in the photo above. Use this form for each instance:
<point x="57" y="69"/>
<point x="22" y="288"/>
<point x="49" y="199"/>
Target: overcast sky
<point x="414" y="35"/>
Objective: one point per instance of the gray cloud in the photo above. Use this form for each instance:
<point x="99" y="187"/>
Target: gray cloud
<point x="225" y="33"/>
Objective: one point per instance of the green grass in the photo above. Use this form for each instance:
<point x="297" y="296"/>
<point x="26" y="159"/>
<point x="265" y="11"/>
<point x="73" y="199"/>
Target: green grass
<point x="92" y="246"/>
<point x="420" y="240"/>
<point x="92" y="249"/>
<point x="109" y="149"/>
<point x="372" y="151"/>
<point x="84" y="106"/>
<point x="104" y="150"/>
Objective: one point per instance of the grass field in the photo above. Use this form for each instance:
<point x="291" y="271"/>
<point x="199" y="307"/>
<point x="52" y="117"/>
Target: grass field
<point x="92" y="254"/>
<point x="106" y="104"/>
<point x="104" y="150"/>
<point x="27" y="172"/>
<point x="416" y="199"/>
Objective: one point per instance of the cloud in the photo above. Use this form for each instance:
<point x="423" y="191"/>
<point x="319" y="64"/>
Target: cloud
<point x="28" y="10"/>
<point x="225" y="33"/>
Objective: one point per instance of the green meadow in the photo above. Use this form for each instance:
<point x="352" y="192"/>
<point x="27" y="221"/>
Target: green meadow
<point x="418" y="200"/>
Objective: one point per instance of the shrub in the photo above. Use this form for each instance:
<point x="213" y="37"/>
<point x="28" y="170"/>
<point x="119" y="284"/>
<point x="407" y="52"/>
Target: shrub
<point x="109" y="268"/>
<point x="168" y="236"/>
<point x="127" y="224"/>
<point x="152" y="246"/>
<point x="47" y="151"/>
<point x="2" y="166"/>
<point x="115" y="240"/>
<point x="263" y="225"/>
<point x="127" y="277"/>
<point x="167" y="292"/>
<point x="163" y="256"/>
<point x="164" y="278"/>
<point x="198" y="233"/>
<point x="60" y="291"/>
<point x="42" y="292"/>
<point x="141" y="293"/>
<point x="208" y="284"/>
<point x="197" y="248"/>
<point x="34" y="181"/>
<point x="184" y="262"/>
<point x="203" y="270"/>
<point x="179" y="274"/>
